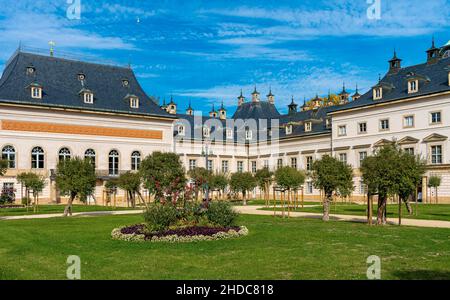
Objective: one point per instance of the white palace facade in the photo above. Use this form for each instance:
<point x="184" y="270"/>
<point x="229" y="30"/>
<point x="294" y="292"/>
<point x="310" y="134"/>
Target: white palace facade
<point x="53" y="108"/>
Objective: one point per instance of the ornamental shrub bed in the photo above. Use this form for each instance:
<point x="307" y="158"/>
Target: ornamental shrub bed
<point x="12" y="206"/>
<point x="140" y="233"/>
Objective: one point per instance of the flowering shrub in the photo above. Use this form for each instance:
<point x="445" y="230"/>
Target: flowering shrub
<point x="138" y="233"/>
<point x="159" y="217"/>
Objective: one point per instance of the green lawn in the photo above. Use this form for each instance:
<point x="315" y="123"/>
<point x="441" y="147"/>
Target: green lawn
<point x="275" y="249"/>
<point x="53" y="209"/>
<point x="425" y="211"/>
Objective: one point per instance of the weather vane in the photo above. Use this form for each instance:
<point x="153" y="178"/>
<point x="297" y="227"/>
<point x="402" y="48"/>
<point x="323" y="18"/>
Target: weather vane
<point x="52" y="49"/>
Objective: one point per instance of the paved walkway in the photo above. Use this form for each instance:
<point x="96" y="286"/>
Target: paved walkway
<point x="251" y="210"/>
<point x="256" y="210"/>
<point x="76" y="214"/>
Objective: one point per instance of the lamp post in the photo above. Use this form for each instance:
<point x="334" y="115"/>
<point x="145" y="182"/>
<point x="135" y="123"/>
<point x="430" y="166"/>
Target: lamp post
<point x="206" y="152"/>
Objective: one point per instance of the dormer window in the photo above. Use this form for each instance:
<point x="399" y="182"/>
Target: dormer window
<point x="448" y="78"/>
<point x="413" y="86"/>
<point x="134" y="102"/>
<point x="206" y="131"/>
<point x="248" y="135"/>
<point x="328" y="123"/>
<point x="181" y="131"/>
<point x="308" y="126"/>
<point x="377" y="93"/>
<point x="229" y="133"/>
<point x="88" y="98"/>
<point x="81" y="77"/>
<point x="288" y="129"/>
<point x="36" y="92"/>
<point x="125" y="82"/>
<point x="30" y="70"/>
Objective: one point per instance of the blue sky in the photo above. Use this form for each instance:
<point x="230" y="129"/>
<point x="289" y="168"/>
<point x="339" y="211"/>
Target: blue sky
<point x="206" y="51"/>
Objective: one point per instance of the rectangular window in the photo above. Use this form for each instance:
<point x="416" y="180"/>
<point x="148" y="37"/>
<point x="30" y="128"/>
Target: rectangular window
<point x="384" y="124"/>
<point x="436" y="154"/>
<point x="309" y="187"/>
<point x="362" y="188"/>
<point x="266" y="163"/>
<point x="294" y="162"/>
<point x="328" y="123"/>
<point x="192" y="164"/>
<point x="253" y="166"/>
<point x="240" y="166"/>
<point x="224" y="166"/>
<point x="408" y="121"/>
<point x="36" y="93"/>
<point x="279" y="163"/>
<point x="205" y="131"/>
<point x="210" y="165"/>
<point x="342" y="130"/>
<point x="8" y="190"/>
<point x="343" y="157"/>
<point x="134" y="102"/>
<point x="362" y="127"/>
<point x="409" y="150"/>
<point x="309" y="163"/>
<point x="436" y="117"/>
<point x="362" y="156"/>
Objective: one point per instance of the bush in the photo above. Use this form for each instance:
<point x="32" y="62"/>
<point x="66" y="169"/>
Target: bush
<point x="221" y="213"/>
<point x="159" y="217"/>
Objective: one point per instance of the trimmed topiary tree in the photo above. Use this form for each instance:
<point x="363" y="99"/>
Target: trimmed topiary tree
<point x="75" y="177"/>
<point x="242" y="182"/>
<point x="434" y="182"/>
<point x="332" y="176"/>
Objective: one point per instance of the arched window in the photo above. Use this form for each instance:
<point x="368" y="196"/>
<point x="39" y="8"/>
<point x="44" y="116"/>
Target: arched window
<point x="64" y="154"/>
<point x="9" y="154"/>
<point x="90" y="154"/>
<point x="113" y="162"/>
<point x="37" y="158"/>
<point x="135" y="160"/>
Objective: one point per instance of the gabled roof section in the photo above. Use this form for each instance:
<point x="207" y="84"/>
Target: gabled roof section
<point x="61" y="85"/>
<point x="435" y="137"/>
<point x="256" y="110"/>
<point x="407" y="140"/>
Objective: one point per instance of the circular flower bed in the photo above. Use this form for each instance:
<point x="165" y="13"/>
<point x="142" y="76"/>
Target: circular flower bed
<point x="138" y="233"/>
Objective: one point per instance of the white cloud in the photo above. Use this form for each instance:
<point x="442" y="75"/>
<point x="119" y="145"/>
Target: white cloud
<point x="306" y="84"/>
<point x="339" y="18"/>
<point x="36" y="30"/>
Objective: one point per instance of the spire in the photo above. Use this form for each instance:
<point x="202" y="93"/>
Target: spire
<point x="270" y="96"/>
<point x="432" y="53"/>
<point x="222" y="112"/>
<point x="394" y="63"/>
<point x="213" y="112"/>
<point x="356" y="95"/>
<point x="255" y="95"/>
<point x="241" y="99"/>
<point x="292" y="108"/>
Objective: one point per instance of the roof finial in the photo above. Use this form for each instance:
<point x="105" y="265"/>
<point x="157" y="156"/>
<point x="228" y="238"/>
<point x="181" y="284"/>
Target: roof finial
<point x="356" y="87"/>
<point x="241" y="93"/>
<point x="432" y="42"/>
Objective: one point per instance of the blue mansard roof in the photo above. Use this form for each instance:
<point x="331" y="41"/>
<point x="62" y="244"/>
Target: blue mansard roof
<point x="61" y="85"/>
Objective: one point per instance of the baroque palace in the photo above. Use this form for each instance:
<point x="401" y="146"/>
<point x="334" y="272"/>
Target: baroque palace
<point x="52" y="109"/>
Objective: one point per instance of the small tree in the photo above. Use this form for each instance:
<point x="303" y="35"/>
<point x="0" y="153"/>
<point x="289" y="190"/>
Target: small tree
<point x="131" y="183"/>
<point x="332" y="175"/>
<point x="3" y="166"/>
<point x="434" y="182"/>
<point x="34" y="184"/>
<point x="242" y="182"/>
<point x="200" y="176"/>
<point x="264" y="179"/>
<point x="219" y="182"/>
<point x="163" y="175"/>
<point x="75" y="177"/>
<point x="289" y="179"/>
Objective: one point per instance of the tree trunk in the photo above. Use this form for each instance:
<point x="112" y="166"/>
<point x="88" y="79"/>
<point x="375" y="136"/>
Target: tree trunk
<point x="68" y="209"/>
<point x="326" y="207"/>
<point x="244" y="198"/>
<point x="436" y="189"/>
<point x="399" y="211"/>
<point x="369" y="209"/>
<point x="408" y="204"/>
<point x="381" y="211"/>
